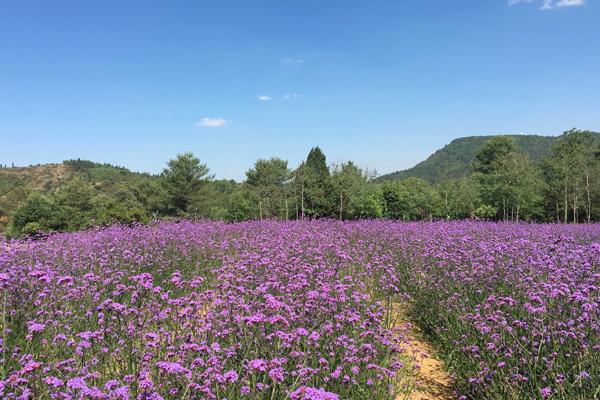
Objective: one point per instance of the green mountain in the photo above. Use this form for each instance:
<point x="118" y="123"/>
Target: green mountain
<point x="454" y="159"/>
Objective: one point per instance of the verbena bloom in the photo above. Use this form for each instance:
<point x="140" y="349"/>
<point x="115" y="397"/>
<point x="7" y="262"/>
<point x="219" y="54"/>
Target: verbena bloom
<point x="310" y="393"/>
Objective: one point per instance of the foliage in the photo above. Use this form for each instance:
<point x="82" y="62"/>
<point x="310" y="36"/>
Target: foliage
<point x="200" y="310"/>
<point x="318" y="189"/>
<point x="573" y="174"/>
<point x="267" y="179"/>
<point x="454" y="160"/>
<point x="485" y="211"/>
<point x="182" y="177"/>
<point x="37" y="209"/>
<point x="459" y="198"/>
<point x="410" y="199"/>
<point x="512" y="308"/>
<point x="509" y="181"/>
<point x="284" y="309"/>
<point x="348" y="181"/>
<point x="366" y="203"/>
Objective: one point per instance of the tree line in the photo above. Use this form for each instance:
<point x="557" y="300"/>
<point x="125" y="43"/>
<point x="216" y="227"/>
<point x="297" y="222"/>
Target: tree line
<point x="505" y="184"/>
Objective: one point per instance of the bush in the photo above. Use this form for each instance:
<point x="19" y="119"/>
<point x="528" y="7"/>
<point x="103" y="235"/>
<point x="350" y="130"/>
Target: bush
<point x="38" y="209"/>
<point x="485" y="212"/>
<point x="31" y="228"/>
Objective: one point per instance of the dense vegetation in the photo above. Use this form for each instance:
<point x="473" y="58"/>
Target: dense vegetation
<point x="260" y="310"/>
<point x="454" y="160"/>
<point x="512" y="308"/>
<point x="504" y="182"/>
<point x="300" y="310"/>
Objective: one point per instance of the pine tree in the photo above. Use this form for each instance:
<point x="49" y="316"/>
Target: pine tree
<point x="318" y="190"/>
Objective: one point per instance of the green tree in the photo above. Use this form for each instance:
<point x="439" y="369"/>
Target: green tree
<point x="37" y="209"/>
<point x="508" y="180"/>
<point x="182" y="178"/>
<point x="367" y="202"/>
<point x="109" y="209"/>
<point x="317" y="193"/>
<point x="410" y="199"/>
<point x="77" y="194"/>
<point x="240" y="204"/>
<point x="299" y="188"/>
<point x="572" y="170"/>
<point x="211" y="201"/>
<point x="74" y="201"/>
<point x="153" y="196"/>
<point x="269" y="179"/>
<point x="458" y="198"/>
<point x="348" y="181"/>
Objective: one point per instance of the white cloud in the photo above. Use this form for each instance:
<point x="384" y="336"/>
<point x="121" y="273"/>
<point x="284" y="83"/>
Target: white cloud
<point x="547" y="5"/>
<point x="264" y="98"/>
<point x="513" y="2"/>
<point x="570" y="3"/>
<point x="291" y="96"/>
<point x="550" y="4"/>
<point x="293" y="60"/>
<point x="207" y="122"/>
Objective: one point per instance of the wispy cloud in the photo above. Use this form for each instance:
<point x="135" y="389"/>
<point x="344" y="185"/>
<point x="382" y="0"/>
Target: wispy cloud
<point x="207" y="122"/>
<point x="293" y="60"/>
<point x="513" y="2"/>
<point x="570" y="3"/>
<point x="550" y="4"/>
<point x="264" y="98"/>
<point x="290" y="96"/>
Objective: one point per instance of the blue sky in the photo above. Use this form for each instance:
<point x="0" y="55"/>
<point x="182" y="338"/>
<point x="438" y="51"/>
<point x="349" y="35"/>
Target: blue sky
<point x="383" y="83"/>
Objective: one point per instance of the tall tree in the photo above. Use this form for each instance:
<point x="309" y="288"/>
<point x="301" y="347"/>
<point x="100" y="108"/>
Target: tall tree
<point x="458" y="198"/>
<point x="348" y="181"/>
<point x="182" y="178"/>
<point x="571" y="170"/>
<point x="153" y="196"/>
<point x="508" y="180"/>
<point x="318" y="190"/>
<point x="299" y="186"/>
<point x="410" y="199"/>
<point x="268" y="178"/>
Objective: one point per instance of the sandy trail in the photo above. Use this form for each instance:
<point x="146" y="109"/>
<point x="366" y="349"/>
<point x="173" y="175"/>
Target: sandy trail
<point x="430" y="381"/>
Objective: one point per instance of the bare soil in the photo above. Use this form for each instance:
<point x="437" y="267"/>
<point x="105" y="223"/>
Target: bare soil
<point x="430" y="381"/>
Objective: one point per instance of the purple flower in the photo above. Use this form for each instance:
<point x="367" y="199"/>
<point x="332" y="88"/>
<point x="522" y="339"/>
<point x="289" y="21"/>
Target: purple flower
<point x="258" y="365"/>
<point x="77" y="383"/>
<point x="173" y="368"/>
<point x="53" y="381"/>
<point x="546" y="392"/>
<point x="310" y="393"/>
<point x="34" y="327"/>
<point x="277" y="374"/>
<point x="230" y="376"/>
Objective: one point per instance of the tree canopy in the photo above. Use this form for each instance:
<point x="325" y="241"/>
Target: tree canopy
<point x="505" y="183"/>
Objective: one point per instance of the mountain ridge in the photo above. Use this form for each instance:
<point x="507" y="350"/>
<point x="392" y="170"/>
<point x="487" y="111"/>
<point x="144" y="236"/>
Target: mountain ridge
<point x="453" y="160"/>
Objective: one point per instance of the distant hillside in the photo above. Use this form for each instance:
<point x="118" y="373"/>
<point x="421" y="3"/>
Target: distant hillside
<point x="454" y="159"/>
<point x="43" y="177"/>
<point x="47" y="177"/>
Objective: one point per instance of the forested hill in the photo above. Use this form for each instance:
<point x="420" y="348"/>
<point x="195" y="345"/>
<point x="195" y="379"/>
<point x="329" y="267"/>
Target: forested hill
<point x="100" y="185"/>
<point x="508" y="186"/>
<point x="454" y="159"/>
<point x="47" y="177"/>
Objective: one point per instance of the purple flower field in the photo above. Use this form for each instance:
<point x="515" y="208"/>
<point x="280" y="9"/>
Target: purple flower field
<point x="299" y="310"/>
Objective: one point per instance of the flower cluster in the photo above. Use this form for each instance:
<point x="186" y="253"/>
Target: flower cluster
<point x="515" y="307"/>
<point x="198" y="310"/>
<point x="299" y="310"/>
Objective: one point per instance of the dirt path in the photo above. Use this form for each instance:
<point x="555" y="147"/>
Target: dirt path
<point x="429" y="381"/>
